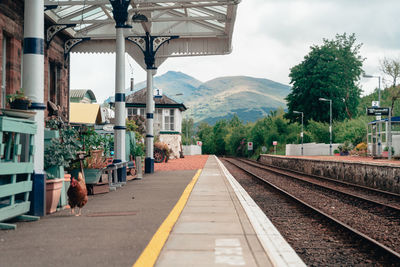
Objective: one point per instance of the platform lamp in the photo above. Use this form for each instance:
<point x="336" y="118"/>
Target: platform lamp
<point x="330" y="122"/>
<point x="379" y="104"/>
<point x="301" y="134"/>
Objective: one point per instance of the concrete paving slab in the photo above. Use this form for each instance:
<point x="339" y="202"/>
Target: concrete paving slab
<point x="109" y="240"/>
<point x="206" y="227"/>
<point x="202" y="259"/>
<point x="207" y="217"/>
<point x="213" y="229"/>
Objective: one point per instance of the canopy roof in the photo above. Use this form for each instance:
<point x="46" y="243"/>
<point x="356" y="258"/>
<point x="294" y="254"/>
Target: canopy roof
<point x="81" y="113"/>
<point x="204" y="27"/>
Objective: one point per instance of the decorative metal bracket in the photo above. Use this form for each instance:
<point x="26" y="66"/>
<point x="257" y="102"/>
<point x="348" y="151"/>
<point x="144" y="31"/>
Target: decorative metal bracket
<point x="50" y="7"/>
<point x="149" y="46"/>
<point x="54" y="29"/>
<point x="70" y="43"/>
<point x="120" y="12"/>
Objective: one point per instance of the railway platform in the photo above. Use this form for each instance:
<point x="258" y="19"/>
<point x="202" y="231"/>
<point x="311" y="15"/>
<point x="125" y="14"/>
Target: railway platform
<point x="169" y="218"/>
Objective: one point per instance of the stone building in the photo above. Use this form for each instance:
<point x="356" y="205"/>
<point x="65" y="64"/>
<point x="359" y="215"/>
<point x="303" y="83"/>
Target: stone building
<point x="56" y="66"/>
<point x="167" y="118"/>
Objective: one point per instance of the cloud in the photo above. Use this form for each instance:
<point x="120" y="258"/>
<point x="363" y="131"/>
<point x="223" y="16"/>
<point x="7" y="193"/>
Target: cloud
<point x="269" y="38"/>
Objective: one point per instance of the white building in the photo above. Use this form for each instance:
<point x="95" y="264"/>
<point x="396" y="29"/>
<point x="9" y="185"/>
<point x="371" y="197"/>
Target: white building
<point x="167" y="117"/>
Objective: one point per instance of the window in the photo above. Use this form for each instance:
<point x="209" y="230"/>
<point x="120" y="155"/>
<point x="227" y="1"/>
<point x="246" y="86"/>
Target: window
<point x="136" y="111"/>
<point x="54" y="94"/>
<point x="4" y="72"/>
<point x="169" y="122"/>
<point x="132" y="111"/>
<point x="158" y="120"/>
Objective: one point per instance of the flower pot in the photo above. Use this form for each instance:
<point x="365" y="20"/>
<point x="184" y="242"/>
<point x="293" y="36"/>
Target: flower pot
<point x="92" y="176"/>
<point x="55" y="172"/>
<point x="337" y="154"/>
<point x="63" y="197"/>
<point x="385" y="154"/>
<point x="20" y="104"/>
<point x="53" y="192"/>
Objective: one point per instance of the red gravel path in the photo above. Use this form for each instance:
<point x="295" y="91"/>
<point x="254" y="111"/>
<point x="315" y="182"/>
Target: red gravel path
<point x="187" y="163"/>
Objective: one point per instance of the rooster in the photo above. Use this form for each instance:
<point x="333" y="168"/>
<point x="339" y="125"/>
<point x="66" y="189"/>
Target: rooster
<point x="77" y="194"/>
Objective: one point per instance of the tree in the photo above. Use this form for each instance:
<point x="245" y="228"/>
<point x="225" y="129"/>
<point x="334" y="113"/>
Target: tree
<point x="220" y="132"/>
<point x="391" y="67"/>
<point x="187" y="131"/>
<point x="330" y="71"/>
<point x="206" y="135"/>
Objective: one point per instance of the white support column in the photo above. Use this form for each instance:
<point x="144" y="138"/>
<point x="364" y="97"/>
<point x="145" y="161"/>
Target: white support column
<point x="120" y="126"/>
<point x="33" y="73"/>
<point x="149" y="161"/>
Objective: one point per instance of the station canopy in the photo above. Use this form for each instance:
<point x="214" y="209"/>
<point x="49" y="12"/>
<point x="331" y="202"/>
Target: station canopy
<point x="204" y="27"/>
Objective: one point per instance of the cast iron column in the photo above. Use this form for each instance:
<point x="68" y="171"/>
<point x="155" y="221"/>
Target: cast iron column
<point x="119" y="128"/>
<point x="33" y="73"/>
<point x="149" y="160"/>
<point x="120" y="12"/>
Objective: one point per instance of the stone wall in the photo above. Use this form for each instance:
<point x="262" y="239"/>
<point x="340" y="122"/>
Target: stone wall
<point x="11" y="26"/>
<point x="174" y="143"/>
<point x="383" y="177"/>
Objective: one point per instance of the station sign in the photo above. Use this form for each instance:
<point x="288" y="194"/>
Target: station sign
<point x="157" y="92"/>
<point x="372" y="111"/>
<point x="275" y="143"/>
<point x="249" y="145"/>
<point x="375" y="104"/>
<point x="264" y="149"/>
<point x="199" y="143"/>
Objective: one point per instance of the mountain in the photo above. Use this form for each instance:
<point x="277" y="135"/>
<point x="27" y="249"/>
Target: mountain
<point x="173" y="83"/>
<point x="250" y="98"/>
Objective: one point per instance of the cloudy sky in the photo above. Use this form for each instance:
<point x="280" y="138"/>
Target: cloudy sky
<point x="270" y="37"/>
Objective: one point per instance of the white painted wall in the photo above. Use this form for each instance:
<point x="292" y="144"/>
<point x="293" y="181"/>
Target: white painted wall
<point x="157" y="128"/>
<point x="191" y="150"/>
<point x="310" y="149"/>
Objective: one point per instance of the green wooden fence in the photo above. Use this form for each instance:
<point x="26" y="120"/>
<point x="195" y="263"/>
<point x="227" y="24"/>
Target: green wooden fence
<point x="16" y="167"/>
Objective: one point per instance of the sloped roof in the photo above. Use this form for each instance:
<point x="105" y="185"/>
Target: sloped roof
<point x="81" y="113"/>
<point x="204" y="27"/>
<point x="80" y="93"/>
<point x="139" y="98"/>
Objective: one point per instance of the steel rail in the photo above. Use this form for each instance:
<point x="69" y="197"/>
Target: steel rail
<point x="278" y="170"/>
<point x="325" y="215"/>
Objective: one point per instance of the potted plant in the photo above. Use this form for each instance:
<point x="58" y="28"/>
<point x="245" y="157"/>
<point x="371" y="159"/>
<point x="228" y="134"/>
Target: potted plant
<point x="19" y="101"/>
<point x="61" y="145"/>
<point x="385" y="152"/>
<point x="345" y="148"/>
<point x="97" y="148"/>
<point x="336" y="152"/>
<point x="361" y="149"/>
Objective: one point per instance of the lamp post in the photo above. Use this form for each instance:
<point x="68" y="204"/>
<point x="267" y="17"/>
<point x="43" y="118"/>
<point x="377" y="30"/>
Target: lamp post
<point x="301" y="134"/>
<point x="330" y="122"/>
<point x="379" y="104"/>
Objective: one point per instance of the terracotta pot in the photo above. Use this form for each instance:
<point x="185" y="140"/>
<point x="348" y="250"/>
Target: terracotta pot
<point x="53" y="193"/>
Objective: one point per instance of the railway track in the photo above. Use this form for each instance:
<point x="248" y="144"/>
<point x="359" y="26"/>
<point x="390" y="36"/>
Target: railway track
<point x="373" y="218"/>
<point x="376" y="196"/>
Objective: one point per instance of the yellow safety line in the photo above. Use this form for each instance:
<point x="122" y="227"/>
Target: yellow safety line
<point x="153" y="249"/>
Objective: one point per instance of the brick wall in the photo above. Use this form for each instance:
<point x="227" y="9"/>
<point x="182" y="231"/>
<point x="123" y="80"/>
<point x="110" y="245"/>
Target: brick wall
<point x="11" y="26"/>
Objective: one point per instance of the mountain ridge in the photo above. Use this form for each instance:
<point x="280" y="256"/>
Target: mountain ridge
<point x="222" y="97"/>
